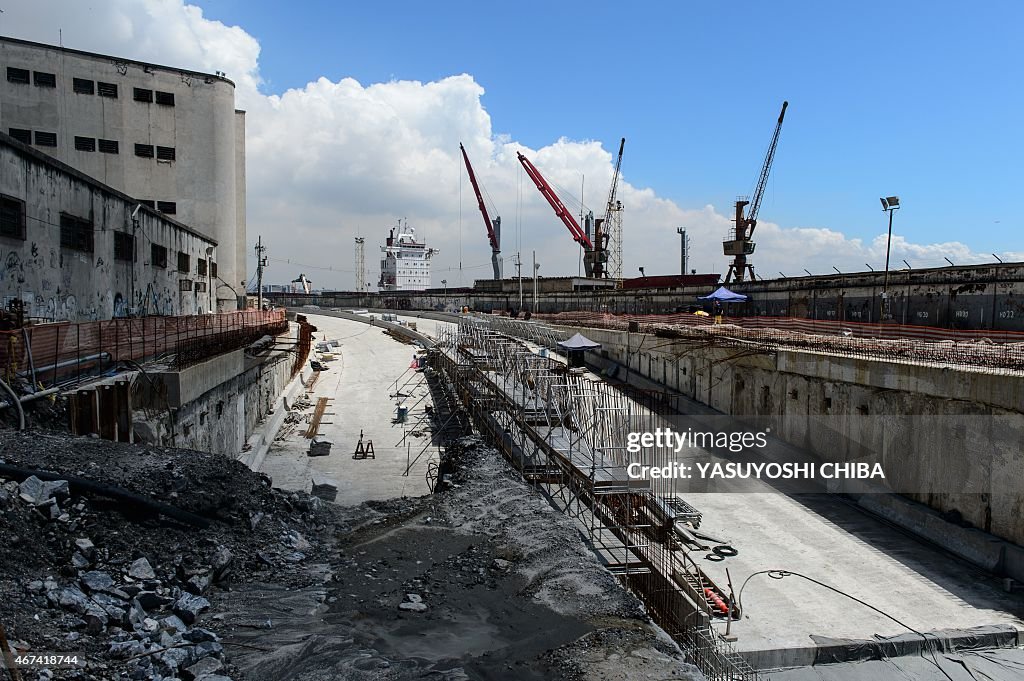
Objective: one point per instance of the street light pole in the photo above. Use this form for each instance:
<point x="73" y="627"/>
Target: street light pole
<point x="535" y="268"/>
<point x="889" y="204"/>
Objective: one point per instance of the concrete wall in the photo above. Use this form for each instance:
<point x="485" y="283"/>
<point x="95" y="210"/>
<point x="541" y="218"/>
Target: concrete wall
<point x="201" y="126"/>
<point x="221" y="418"/>
<point x="967" y="297"/>
<point x="920" y="422"/>
<point x="65" y="284"/>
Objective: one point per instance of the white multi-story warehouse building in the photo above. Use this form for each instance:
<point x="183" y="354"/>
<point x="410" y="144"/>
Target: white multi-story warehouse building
<point x="169" y="138"/>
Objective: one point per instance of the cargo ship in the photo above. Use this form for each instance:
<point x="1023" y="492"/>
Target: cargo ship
<point x="405" y="265"/>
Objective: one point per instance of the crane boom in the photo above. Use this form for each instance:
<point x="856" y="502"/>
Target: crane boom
<point x="740" y="245"/>
<point x="762" y="182"/>
<point x="560" y="210"/>
<point x="493" y="227"/>
<point x="615" y="184"/>
<point x="480" y="200"/>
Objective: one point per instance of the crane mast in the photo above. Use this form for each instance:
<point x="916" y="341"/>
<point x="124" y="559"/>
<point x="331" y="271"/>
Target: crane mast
<point x="592" y="261"/>
<point x="612" y="224"/>
<point x="740" y="245"/>
<point x="493" y="227"/>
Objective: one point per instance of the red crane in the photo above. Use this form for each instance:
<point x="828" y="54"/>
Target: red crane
<point x="578" y="235"/>
<point x="493" y="227"/>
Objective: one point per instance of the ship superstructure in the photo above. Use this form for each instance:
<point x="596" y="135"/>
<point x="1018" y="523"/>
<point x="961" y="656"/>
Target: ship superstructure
<point x="406" y="262"/>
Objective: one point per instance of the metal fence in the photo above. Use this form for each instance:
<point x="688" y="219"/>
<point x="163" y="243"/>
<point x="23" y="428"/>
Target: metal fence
<point x="894" y="342"/>
<point x="52" y="354"/>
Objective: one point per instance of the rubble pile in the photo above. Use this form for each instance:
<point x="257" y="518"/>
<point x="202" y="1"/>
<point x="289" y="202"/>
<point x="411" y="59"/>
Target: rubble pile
<point x="111" y="574"/>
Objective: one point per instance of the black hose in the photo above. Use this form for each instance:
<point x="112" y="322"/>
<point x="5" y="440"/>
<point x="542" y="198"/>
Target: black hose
<point x="118" y="493"/>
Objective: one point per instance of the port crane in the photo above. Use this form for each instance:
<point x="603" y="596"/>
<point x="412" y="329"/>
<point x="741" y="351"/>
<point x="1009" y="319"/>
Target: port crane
<point x="493" y="226"/>
<point x="611" y="225"/>
<point x="740" y="245"/>
<point x="594" y="253"/>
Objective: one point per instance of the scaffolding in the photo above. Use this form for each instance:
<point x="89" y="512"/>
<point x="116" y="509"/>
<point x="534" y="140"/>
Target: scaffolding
<point x="567" y="432"/>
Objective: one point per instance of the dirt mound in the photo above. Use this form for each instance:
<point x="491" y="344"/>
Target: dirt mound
<point x="117" y="551"/>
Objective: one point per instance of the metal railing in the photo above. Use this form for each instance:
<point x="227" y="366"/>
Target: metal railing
<point x="53" y="354"/>
<point x="1002" y="350"/>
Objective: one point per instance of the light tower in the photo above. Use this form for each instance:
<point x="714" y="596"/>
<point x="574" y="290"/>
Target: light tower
<point x="684" y="250"/>
<point x="360" y="264"/>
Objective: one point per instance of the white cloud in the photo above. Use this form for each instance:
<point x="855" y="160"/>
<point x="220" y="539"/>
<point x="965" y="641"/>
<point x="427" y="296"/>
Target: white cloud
<point x="335" y="158"/>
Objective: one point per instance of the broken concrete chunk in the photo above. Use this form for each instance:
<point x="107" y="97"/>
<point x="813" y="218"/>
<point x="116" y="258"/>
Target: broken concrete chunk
<point x="96" y="580"/>
<point x="124" y="649"/>
<point x="36" y="492"/>
<point x="204" y="668"/>
<point x="141" y="569"/>
<point x="95" y="620"/>
<point x="414" y="604"/>
<point x="72" y="598"/>
<point x="39" y="493"/>
<point x="173" y="623"/>
<point x="208" y="649"/>
<point x="198" y="584"/>
<point x="413" y="607"/>
<point x="221" y="563"/>
<point x="255" y="519"/>
<point x="86" y="547"/>
<point x="296" y="541"/>
<point x="173" y="658"/>
<point x="137" y="616"/>
<point x="199" y="635"/>
<point x="189" y="607"/>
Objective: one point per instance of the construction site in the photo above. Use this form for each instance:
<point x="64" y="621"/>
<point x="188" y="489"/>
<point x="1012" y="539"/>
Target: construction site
<point x="597" y="476"/>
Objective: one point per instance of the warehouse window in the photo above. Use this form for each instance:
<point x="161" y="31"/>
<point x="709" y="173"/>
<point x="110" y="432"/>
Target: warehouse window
<point x="106" y="89"/>
<point x="44" y="79"/>
<point x="168" y="207"/>
<point x="23" y="136"/>
<point x="200" y="286"/>
<point x="83" y="86"/>
<point x="158" y="255"/>
<point x="12" y="217"/>
<point x="17" y="75"/>
<point x="85" y="143"/>
<point x="148" y="203"/>
<point x="184" y="285"/>
<point x="201" y="267"/>
<point x="165" y="153"/>
<point x="144" y="150"/>
<point x="183" y="264"/>
<point x="75" y="233"/>
<point x="46" y="139"/>
<point x="213" y="270"/>
<point x="165" y="98"/>
<point x="108" y="146"/>
<point x="124" y="246"/>
<point x="142" y="95"/>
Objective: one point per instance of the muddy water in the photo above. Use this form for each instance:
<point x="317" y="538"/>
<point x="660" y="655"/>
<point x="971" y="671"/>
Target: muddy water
<point x="481" y="623"/>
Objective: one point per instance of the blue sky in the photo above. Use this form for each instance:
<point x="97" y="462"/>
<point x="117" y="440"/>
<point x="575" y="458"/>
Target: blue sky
<point x="920" y="99"/>
<point x="361" y="107"/>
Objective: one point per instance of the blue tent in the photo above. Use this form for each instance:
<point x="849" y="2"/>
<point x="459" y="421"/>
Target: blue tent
<point x="724" y="295"/>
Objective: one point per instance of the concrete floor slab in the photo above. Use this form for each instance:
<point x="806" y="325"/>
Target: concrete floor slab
<point x="829" y="540"/>
<point x="361" y="383"/>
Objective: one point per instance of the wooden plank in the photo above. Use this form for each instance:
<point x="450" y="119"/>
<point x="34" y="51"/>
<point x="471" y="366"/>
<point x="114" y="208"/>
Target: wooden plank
<point x="318" y="414"/>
